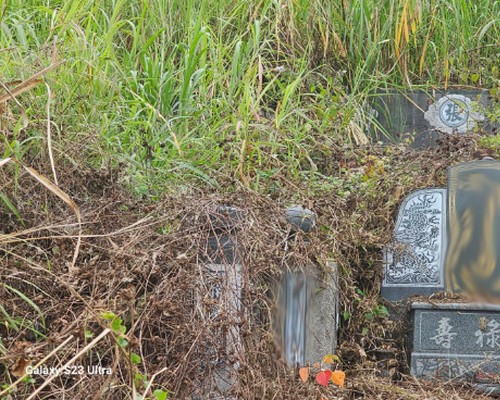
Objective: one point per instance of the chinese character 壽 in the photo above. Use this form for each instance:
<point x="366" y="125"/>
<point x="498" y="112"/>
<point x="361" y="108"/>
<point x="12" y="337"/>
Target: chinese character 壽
<point x="444" y="333"/>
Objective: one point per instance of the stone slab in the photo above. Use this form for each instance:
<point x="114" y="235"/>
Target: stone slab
<point x="221" y="280"/>
<point x="425" y="117"/>
<point x="295" y="295"/>
<point x="414" y="262"/>
<point x="457" y="341"/>
<point x="473" y="255"/>
<point x="482" y="372"/>
<point x="323" y="316"/>
<point x="223" y="283"/>
<point x="308" y="316"/>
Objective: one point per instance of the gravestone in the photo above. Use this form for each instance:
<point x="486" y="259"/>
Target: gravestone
<point x="457" y="341"/>
<point x="424" y="116"/>
<point x="308" y="305"/>
<point x="322" y="318"/>
<point x="450" y="239"/>
<point x="222" y="281"/>
<point x="473" y="257"/>
<point x="414" y="263"/>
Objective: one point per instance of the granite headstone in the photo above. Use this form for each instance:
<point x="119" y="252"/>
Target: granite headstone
<point x="414" y="261"/>
<point x="473" y="255"/>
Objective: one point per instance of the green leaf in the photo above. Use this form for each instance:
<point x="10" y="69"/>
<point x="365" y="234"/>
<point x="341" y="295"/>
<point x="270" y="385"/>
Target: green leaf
<point x="10" y="207"/>
<point x="116" y="325"/>
<point x="364" y="331"/>
<point x="88" y="334"/>
<point x="139" y="379"/>
<point x="109" y="315"/>
<point x="122" y="342"/>
<point x="135" y="358"/>
<point x="28" y="379"/>
<point x="474" y="77"/>
<point x="30" y="302"/>
<point x="383" y="311"/>
<point x="160" y="394"/>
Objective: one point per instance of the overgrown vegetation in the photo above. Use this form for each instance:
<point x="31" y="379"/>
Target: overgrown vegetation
<point x="142" y="116"/>
<point x="178" y="89"/>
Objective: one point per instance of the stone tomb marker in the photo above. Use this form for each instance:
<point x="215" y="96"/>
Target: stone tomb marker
<point x="414" y="265"/>
<point x="308" y="315"/>
<point x="223" y="280"/>
<point x="473" y="257"/>
<point x="427" y="116"/>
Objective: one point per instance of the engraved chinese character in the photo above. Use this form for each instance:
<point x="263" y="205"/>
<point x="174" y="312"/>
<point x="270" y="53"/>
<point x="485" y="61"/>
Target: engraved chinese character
<point x="489" y="336"/>
<point x="444" y="333"/>
<point x="453" y="112"/>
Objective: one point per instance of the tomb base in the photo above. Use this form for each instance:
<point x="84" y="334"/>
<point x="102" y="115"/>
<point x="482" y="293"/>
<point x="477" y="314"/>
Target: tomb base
<point x="457" y="341"/>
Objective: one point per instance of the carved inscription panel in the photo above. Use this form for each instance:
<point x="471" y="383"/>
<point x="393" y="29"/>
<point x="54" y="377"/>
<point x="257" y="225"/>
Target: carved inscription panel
<point x="417" y="254"/>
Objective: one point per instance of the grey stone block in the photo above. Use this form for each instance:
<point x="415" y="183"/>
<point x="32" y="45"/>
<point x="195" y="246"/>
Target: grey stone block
<point x="323" y="316"/>
<point x="301" y="218"/>
<point x="308" y="316"/>
<point x="457" y="341"/>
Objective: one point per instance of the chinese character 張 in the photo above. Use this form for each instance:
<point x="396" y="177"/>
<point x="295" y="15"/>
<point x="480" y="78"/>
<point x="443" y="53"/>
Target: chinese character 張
<point x="453" y="112"/>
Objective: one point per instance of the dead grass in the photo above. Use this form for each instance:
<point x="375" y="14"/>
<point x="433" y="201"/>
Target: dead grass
<point x="142" y="260"/>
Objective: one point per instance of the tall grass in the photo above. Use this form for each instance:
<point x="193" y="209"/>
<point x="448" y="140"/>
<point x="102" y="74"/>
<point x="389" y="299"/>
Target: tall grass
<point x="177" y="89"/>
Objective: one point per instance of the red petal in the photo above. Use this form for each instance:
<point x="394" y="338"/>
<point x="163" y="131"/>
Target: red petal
<point x="323" y="377"/>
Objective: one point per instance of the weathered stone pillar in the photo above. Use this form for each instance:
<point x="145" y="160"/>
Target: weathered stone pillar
<point x="307" y="305"/>
<point x="222" y="280"/>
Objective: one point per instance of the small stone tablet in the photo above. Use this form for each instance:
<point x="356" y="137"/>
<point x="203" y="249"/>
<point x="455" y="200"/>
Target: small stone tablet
<point x="414" y="263"/>
<point x="453" y="113"/>
<point x="422" y="117"/>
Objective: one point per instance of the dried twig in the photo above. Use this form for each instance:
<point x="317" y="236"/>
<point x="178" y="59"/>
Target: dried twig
<point x="70" y="362"/>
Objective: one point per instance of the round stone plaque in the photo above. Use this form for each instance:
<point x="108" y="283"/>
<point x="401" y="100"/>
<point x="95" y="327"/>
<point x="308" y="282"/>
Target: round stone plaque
<point x="453" y="113"/>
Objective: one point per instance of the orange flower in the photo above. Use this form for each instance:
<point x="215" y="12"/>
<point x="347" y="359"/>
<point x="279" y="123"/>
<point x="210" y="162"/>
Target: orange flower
<point x="338" y="377"/>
